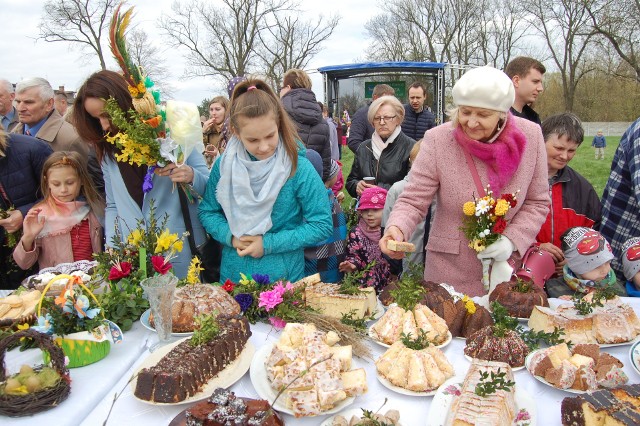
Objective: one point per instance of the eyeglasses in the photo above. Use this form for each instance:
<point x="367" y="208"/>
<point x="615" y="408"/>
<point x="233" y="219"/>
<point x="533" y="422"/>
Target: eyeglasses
<point x="384" y="118"/>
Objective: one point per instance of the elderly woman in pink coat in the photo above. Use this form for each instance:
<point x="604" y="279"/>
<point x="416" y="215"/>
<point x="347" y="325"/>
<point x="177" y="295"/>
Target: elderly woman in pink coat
<point x="482" y="144"/>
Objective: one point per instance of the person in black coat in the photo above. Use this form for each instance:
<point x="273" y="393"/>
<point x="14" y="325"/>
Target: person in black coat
<point x="384" y="157"/>
<point x="417" y="119"/>
<point x="21" y="160"/>
<point x="301" y="105"/>
<point x="361" y="129"/>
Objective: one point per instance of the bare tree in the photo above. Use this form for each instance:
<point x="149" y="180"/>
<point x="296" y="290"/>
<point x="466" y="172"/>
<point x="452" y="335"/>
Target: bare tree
<point x="502" y="27"/>
<point x="618" y="21"/>
<point x="220" y="41"/>
<point x="391" y="41"/>
<point x="290" y="42"/>
<point x="564" y="25"/>
<point x="149" y="57"/>
<point x="77" y="21"/>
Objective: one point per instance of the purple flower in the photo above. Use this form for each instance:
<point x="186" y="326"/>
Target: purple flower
<point x="270" y="299"/>
<point x="262" y="279"/>
<point x="147" y="185"/>
<point x="245" y="300"/>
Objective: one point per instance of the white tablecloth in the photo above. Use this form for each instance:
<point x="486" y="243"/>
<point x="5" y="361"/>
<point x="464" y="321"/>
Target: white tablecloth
<point x="89" y="384"/>
<point x="94" y="386"/>
<point x="414" y="410"/>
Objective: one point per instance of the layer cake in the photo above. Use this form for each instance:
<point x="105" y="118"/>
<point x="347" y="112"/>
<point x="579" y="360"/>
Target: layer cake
<point x="612" y="407"/>
<point x="327" y="299"/>
<point x="496" y="409"/>
<point x="185" y="369"/>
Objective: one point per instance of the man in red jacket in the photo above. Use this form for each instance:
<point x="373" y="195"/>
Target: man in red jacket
<point x="574" y="202"/>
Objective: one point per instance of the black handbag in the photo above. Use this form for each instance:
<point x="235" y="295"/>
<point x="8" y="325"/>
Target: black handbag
<point x="209" y="253"/>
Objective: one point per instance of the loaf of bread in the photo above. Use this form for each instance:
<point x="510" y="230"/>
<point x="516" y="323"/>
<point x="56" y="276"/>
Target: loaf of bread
<point x="401" y="246"/>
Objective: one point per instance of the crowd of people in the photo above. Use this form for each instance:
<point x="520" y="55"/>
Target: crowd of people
<point x="268" y="184"/>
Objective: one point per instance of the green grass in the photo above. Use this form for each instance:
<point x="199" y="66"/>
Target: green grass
<point x="584" y="162"/>
<point x="595" y="171"/>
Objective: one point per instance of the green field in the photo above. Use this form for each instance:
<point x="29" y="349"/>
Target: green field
<point x="595" y="171"/>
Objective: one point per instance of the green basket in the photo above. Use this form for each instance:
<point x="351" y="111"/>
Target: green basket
<point x="81" y="352"/>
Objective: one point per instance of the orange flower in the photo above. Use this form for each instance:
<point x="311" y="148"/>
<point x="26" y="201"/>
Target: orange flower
<point x="154" y="122"/>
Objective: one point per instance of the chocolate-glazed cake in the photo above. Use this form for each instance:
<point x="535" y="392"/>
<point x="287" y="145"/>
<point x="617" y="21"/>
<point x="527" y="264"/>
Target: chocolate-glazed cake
<point x="619" y="406"/>
<point x="224" y="408"/>
<point x="185" y="369"/>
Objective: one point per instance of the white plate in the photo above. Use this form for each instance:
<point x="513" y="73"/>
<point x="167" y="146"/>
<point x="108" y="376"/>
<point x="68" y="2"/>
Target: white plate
<point x="144" y="319"/>
<point x="527" y="363"/>
<point x="374" y="337"/>
<point x="379" y="310"/>
<point x="634" y="356"/>
<point x="260" y="381"/>
<point x="441" y="404"/>
<point x="347" y="414"/>
<point x="387" y="384"/>
<point x="227" y="377"/>
<point x="611" y="345"/>
<point x="470" y="359"/>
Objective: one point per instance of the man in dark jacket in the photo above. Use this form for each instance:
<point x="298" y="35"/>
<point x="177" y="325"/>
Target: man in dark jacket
<point x="301" y="105"/>
<point x="417" y="118"/>
<point x="21" y="161"/>
<point x="361" y="130"/>
<point x="526" y="74"/>
<point x="574" y="202"/>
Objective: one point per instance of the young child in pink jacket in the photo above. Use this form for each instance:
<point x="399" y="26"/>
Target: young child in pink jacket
<point x="362" y="246"/>
<point x="64" y="226"/>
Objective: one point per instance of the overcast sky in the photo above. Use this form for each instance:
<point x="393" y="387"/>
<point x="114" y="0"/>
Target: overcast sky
<point x="61" y="64"/>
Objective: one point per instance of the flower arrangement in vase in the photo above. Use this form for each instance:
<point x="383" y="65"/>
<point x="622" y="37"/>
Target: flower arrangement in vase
<point x="147" y="250"/>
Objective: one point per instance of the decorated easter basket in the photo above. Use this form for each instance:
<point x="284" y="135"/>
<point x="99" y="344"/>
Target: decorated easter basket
<point x="34" y="402"/>
<point x="84" y="347"/>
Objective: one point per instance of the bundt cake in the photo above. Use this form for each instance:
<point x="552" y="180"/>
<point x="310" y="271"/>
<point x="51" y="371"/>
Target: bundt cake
<point x="486" y="344"/>
<point x="519" y="297"/>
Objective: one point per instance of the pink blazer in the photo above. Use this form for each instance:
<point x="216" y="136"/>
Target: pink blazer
<point x="440" y="171"/>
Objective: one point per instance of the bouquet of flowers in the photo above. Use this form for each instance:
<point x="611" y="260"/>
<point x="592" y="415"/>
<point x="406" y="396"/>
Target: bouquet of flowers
<point x="146" y="251"/>
<point x="149" y="135"/>
<point x="261" y="300"/>
<point x="484" y="221"/>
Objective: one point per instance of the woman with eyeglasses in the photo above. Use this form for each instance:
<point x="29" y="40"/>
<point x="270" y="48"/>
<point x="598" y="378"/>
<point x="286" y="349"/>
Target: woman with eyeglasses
<point x="384" y="159"/>
<point x="482" y="144"/>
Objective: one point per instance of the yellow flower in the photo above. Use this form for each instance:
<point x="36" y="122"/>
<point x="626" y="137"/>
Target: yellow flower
<point x="134" y="91"/>
<point x="165" y="241"/>
<point x="135" y="237"/>
<point x="478" y="245"/>
<point x="193" y="273"/>
<point x="469" y="305"/>
<point x="141" y="87"/>
<point x="469" y="208"/>
<point x="502" y="207"/>
<point x="178" y="245"/>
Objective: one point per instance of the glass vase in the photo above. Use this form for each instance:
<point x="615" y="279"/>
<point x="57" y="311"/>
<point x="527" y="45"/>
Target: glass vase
<point x="159" y="290"/>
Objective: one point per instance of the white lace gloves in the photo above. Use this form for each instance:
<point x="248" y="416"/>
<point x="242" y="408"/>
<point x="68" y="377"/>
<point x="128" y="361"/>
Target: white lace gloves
<point x="498" y="252"/>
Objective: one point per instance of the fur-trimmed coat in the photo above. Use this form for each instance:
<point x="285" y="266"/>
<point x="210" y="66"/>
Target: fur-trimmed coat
<point x="440" y="171"/>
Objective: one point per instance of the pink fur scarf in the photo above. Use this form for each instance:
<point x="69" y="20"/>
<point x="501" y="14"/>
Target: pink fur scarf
<point x="502" y="156"/>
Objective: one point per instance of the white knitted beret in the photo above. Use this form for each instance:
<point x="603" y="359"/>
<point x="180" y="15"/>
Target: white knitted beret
<point x="484" y="87"/>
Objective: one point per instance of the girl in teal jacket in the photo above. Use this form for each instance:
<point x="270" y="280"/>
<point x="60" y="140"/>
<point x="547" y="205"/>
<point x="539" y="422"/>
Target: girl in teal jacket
<point x="264" y="201"/>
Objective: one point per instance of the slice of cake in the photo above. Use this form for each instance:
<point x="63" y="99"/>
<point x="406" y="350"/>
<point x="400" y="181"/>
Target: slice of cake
<point x="326" y="298"/>
<point x="401" y="246"/>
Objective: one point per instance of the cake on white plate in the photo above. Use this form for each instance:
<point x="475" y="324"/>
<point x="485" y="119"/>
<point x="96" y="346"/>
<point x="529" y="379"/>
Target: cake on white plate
<point x="396" y="321"/>
<point x="495" y="409"/>
<point x="327" y="299"/>
<point x="317" y="374"/>
<point x="421" y="370"/>
<point x="614" y="322"/>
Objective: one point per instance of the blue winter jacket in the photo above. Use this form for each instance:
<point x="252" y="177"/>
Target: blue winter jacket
<point x="301" y="218"/>
<point x="415" y="124"/>
<point x="21" y="170"/>
<point x="599" y="142"/>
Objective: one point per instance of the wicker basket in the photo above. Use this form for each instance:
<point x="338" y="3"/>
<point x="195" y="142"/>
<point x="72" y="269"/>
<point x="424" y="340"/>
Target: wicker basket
<point x="81" y="348"/>
<point x="26" y="405"/>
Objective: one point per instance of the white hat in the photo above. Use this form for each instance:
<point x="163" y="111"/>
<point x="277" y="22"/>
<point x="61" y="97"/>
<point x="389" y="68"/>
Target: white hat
<point x="484" y="87"/>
